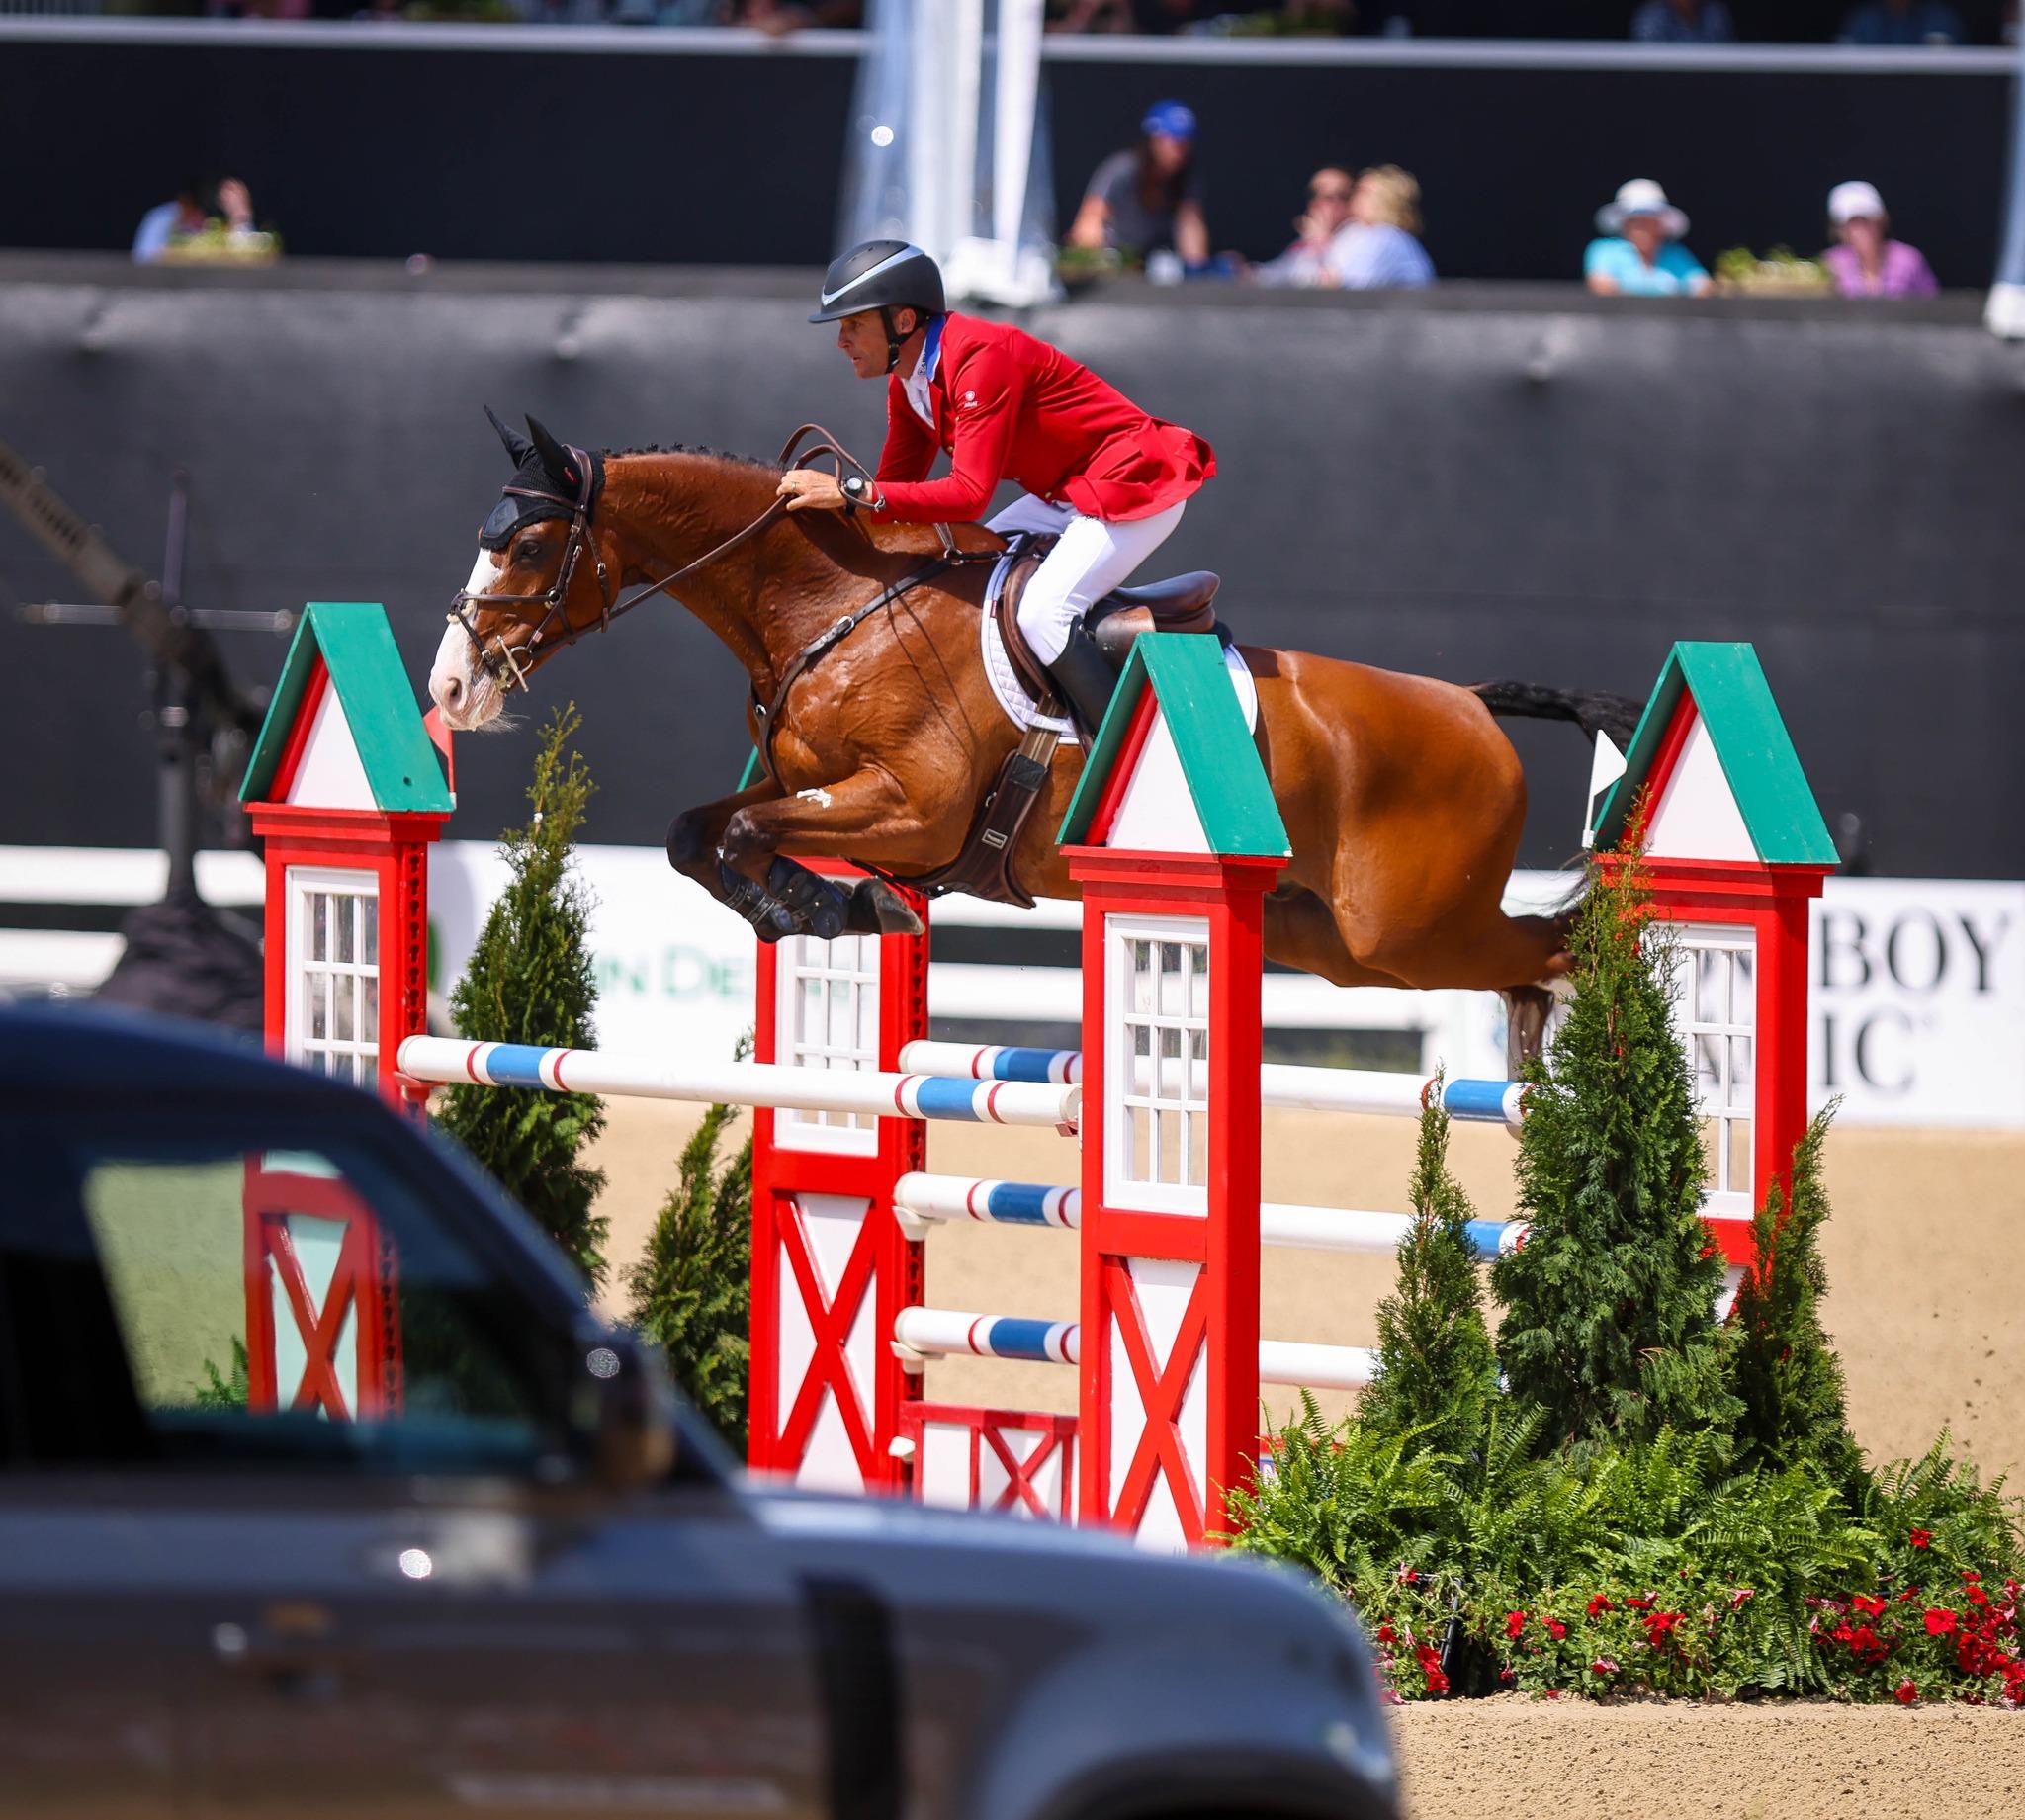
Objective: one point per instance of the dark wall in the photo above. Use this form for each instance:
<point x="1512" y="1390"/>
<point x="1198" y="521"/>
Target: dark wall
<point x="1510" y="484"/>
<point x="507" y="154"/>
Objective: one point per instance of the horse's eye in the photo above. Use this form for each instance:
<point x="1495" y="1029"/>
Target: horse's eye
<point x="530" y="550"/>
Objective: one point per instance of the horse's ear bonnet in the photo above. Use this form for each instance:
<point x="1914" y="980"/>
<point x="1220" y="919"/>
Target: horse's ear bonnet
<point x="547" y="481"/>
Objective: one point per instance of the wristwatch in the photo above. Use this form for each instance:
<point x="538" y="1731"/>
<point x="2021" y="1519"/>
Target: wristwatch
<point x="860" y="491"/>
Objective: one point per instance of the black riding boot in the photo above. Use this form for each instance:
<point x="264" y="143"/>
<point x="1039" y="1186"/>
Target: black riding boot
<point x="1084" y="679"/>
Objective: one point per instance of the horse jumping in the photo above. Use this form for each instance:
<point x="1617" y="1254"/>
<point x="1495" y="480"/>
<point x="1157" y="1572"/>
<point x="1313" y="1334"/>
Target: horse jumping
<point x="1403" y="800"/>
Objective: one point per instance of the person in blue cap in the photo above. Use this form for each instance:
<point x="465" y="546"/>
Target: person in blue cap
<point x="1148" y="198"/>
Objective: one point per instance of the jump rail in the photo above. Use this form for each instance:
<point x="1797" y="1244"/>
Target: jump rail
<point x="921" y="1201"/>
<point x="923" y="1333"/>
<point x="747" y="1083"/>
<point x="1280" y="1084"/>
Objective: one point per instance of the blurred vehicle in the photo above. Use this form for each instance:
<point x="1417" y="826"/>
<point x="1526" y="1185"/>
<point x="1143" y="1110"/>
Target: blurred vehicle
<point x="513" y="1572"/>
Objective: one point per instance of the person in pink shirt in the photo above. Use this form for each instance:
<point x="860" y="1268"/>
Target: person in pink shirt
<point x="1866" y="261"/>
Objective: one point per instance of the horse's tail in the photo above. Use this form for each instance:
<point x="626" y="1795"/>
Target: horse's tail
<point x="1595" y="711"/>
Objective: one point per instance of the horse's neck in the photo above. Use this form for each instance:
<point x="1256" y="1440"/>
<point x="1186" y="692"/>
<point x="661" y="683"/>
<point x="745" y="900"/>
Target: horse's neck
<point x="765" y="599"/>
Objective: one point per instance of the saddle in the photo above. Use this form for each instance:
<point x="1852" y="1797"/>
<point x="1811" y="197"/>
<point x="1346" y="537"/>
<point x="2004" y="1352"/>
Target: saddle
<point x="1182" y="603"/>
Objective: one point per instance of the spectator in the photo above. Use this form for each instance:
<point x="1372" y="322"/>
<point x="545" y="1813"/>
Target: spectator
<point x="197" y="204"/>
<point x="1146" y="17"/>
<point x="1381" y="247"/>
<point x="1306" y="261"/>
<point x="1640" y="251"/>
<point x="1866" y="261"/>
<point x="1149" y="197"/>
<point x="1682" y="21"/>
<point x="1902" y="21"/>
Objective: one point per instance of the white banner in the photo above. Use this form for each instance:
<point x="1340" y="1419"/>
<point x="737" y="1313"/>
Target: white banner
<point x="1919" y="983"/>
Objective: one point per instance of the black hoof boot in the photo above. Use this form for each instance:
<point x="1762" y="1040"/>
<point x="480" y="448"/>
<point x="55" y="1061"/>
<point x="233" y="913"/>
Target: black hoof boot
<point x="820" y="908"/>
<point x="876" y="909"/>
<point x="770" y="919"/>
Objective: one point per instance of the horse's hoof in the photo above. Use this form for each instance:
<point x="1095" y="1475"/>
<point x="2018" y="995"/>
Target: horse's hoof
<point x="876" y="909"/>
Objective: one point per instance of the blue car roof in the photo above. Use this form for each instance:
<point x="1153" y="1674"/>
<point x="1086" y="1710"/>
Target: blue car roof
<point x="101" y="1049"/>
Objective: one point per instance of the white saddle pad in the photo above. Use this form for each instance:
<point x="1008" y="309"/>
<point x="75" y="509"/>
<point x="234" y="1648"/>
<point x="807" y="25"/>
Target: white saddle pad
<point x="1019" y="709"/>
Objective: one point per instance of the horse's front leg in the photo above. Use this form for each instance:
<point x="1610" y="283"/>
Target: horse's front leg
<point x="695" y="841"/>
<point x="862" y="813"/>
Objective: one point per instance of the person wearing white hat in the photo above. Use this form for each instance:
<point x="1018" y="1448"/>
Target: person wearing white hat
<point x="1639" y="250"/>
<point x="1866" y="261"/>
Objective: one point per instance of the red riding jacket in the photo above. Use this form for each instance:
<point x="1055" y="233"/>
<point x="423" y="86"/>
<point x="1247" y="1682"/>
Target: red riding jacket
<point x="1009" y="406"/>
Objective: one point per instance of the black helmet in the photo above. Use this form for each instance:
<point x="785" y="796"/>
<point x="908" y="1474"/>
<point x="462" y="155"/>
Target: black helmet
<point x="880" y="275"/>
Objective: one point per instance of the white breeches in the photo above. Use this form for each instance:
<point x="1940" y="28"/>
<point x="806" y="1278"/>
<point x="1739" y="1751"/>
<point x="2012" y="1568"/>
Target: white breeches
<point x="1094" y="556"/>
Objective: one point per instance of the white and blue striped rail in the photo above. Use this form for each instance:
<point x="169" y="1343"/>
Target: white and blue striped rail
<point x="923" y="1333"/>
<point x="920" y="1199"/>
<point x="742" y="1084"/>
<point x="1280" y="1084"/>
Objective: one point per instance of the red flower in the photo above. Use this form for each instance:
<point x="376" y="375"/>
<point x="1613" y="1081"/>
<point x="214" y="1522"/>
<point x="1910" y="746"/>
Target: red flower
<point x="1386" y="1634"/>
<point x="1430" y="1659"/>
<point x="1407" y="1576"/>
<point x="1867" y="1606"/>
<point x="1907" y="1693"/>
<point x="1868" y="1646"/>
<point x="1603" y="1666"/>
<point x="1976" y="1595"/>
<point x="1514" y="1623"/>
<point x="1969" y="1573"/>
<point x="1843" y="1634"/>
<point x="1939" y="1621"/>
<point x="1598" y="1605"/>
<point x="1911" y="1592"/>
<point x="1737" y="1599"/>
<point x="1637" y="1602"/>
<point x="1554" y="1629"/>
<point x="1919" y="1539"/>
<point x="1659" y="1626"/>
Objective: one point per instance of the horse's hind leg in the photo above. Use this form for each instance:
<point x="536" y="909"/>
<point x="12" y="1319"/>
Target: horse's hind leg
<point x="1301" y="931"/>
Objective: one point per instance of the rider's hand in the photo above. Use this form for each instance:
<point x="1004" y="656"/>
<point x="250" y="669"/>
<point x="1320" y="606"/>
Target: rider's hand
<point x="808" y="489"/>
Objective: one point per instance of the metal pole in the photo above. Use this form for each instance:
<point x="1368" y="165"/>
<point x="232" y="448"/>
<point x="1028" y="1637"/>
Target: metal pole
<point x="175" y="724"/>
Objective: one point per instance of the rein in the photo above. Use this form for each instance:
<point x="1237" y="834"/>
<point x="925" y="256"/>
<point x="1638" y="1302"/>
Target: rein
<point x="503" y="663"/>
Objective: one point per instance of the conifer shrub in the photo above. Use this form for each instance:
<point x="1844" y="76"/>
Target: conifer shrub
<point x="1783" y="1371"/>
<point x="1610" y="1326"/>
<point x="530" y="980"/>
<point x="1435" y="1369"/>
<point x="692" y="1291"/>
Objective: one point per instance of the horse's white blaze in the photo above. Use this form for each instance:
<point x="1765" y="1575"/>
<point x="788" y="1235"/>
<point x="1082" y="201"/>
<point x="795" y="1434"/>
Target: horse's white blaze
<point x="467" y="697"/>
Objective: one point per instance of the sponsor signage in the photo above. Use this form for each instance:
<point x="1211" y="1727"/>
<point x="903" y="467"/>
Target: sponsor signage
<point x="1919" y="983"/>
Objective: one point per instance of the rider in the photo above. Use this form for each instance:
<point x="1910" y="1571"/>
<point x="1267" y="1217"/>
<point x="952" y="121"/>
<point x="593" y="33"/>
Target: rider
<point x="1106" y="478"/>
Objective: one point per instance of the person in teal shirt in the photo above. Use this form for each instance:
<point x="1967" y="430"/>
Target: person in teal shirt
<point x="1639" y="252"/>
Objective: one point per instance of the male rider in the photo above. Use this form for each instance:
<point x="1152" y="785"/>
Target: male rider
<point x="1100" y="473"/>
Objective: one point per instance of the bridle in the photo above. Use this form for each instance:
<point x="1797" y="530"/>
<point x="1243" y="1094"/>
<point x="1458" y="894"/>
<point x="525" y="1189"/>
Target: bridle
<point x="503" y="663"/>
<point x="504" y="667"/>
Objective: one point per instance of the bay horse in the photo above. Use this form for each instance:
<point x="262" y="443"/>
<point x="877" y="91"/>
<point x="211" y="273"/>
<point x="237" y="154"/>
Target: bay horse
<point x="1402" y="797"/>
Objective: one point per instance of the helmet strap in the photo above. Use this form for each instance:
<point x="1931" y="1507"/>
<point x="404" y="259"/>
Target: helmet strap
<point x="896" y="342"/>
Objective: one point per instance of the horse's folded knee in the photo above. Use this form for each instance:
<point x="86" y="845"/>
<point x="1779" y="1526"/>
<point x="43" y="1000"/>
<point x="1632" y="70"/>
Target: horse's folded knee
<point x="688" y="839"/>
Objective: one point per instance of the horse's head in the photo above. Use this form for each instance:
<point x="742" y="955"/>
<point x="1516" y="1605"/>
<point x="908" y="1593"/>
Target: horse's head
<point x="541" y="580"/>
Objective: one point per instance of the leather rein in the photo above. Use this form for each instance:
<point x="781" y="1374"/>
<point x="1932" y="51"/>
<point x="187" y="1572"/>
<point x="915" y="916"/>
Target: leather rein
<point x="504" y="664"/>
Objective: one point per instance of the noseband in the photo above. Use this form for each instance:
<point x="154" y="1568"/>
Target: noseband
<point x="502" y="662"/>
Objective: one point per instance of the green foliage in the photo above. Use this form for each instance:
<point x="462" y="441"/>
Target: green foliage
<point x="530" y="980"/>
<point x="1609" y="1322"/>
<point x="223" y="1390"/>
<point x="1435" y="1369"/>
<point x="1783" y="1370"/>
<point x="1645" y="1569"/>
<point x="691" y="1293"/>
